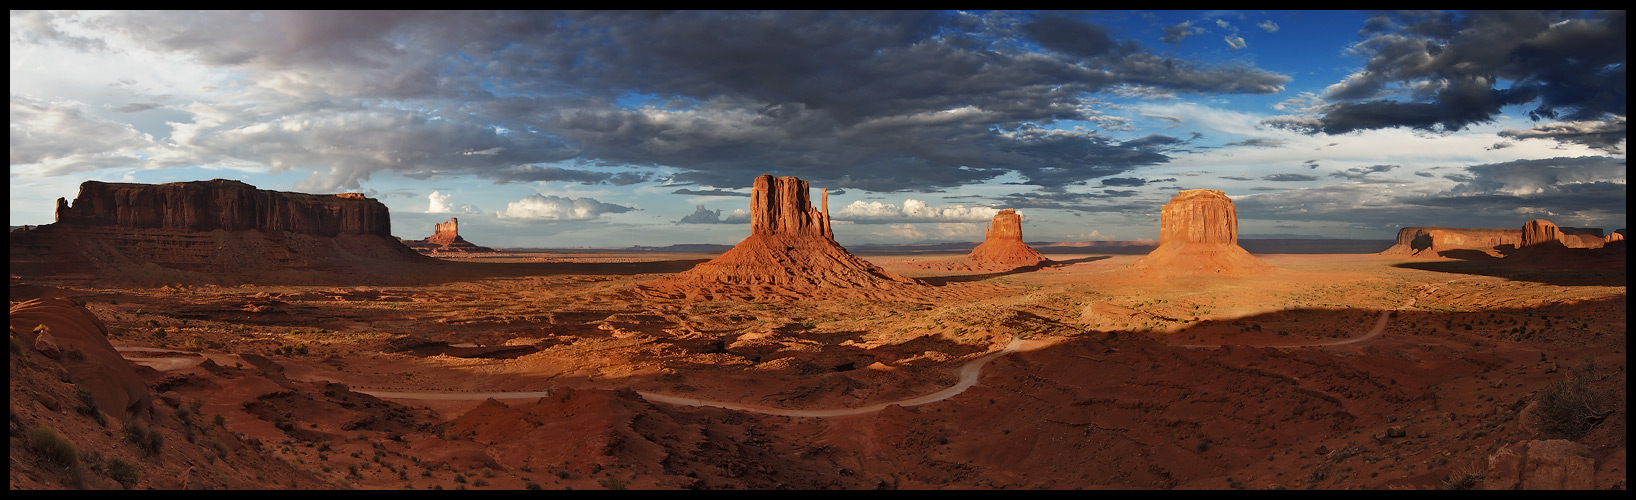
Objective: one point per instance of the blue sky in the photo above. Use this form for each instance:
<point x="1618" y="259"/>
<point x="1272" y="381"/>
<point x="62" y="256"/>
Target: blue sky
<point x="611" y="129"/>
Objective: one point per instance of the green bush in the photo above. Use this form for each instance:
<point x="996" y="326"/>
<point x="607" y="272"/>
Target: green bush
<point x="54" y="448"/>
<point x="146" y="439"/>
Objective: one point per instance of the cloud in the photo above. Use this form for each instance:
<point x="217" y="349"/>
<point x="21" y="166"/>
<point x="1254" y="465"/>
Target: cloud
<point x="1175" y="34"/>
<point x="874" y="212"/>
<point x="1234" y="41"/>
<point x="551" y="207"/>
<point x="1268" y="26"/>
<point x="1362" y="173"/>
<point x="878" y="100"/>
<point x="708" y="192"/>
<point x="1607" y="134"/>
<point x="64" y="137"/>
<point x="702" y="216"/>
<point x="438" y="203"/>
<point x="1289" y="177"/>
<point x="1443" y="71"/>
<point x="1260" y="143"/>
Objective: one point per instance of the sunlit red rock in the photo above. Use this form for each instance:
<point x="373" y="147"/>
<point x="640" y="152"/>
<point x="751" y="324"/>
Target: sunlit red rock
<point x="446" y="238"/>
<point x="1198" y="234"/>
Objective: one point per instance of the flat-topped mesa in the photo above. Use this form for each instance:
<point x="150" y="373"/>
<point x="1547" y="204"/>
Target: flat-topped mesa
<point x="1198" y="233"/>
<point x="1454" y="241"/>
<point x="782" y="206"/>
<point x="791" y="252"/>
<point x="222" y="204"/>
<point x="218" y="231"/>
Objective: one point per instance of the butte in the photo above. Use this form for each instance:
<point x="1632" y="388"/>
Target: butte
<point x="791" y="253"/>
<point x="1198" y="234"/>
<point x="445" y="239"/>
<point x="1002" y="249"/>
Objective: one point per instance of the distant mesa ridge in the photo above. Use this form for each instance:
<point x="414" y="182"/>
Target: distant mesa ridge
<point x="222" y="204"/>
<point x="216" y="231"/>
<point x="1492" y="242"/>
<point x="1198" y="234"/>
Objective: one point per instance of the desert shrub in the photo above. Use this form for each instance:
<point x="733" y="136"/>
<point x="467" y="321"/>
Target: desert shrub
<point x="1463" y="480"/>
<point x="221" y="421"/>
<point x="122" y="471"/>
<point x="1569" y="408"/>
<point x="88" y="406"/>
<point x="532" y="486"/>
<point x="56" y="449"/>
<point x="146" y="439"/>
<point x="612" y="483"/>
<point x="221" y="448"/>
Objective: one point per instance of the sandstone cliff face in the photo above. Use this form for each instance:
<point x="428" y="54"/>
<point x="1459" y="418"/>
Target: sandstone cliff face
<point x="222" y="204"/>
<point x="220" y="231"/>
<point x="791" y="253"/>
<point x="1198" y="234"/>
<point x="1453" y="241"/>
<point x="1541" y="232"/>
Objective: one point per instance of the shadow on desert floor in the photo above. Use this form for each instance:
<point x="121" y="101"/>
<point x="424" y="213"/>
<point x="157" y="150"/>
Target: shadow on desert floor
<point x="961" y="278"/>
<point x="1613" y="275"/>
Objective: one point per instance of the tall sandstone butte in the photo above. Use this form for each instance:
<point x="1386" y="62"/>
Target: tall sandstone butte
<point x="1198" y="234"/>
<point x="213" y="231"/>
<point x="446" y="238"/>
<point x="1544" y="232"/>
<point x="1002" y="248"/>
<point x="791" y="253"/>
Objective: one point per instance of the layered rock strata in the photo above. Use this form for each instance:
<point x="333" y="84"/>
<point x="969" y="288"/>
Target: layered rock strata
<point x="1544" y="232"/>
<point x="1454" y="241"/>
<point x="446" y="238"/>
<point x="791" y="253"/>
<point x="65" y="330"/>
<point x="218" y="231"/>
<point x="1198" y="234"/>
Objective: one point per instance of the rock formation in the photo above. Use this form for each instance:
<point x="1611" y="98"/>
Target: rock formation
<point x="1198" y="234"/>
<point x="219" y="231"/>
<point x="68" y="332"/>
<point x="1543" y="232"/>
<point x="446" y="238"/>
<point x="1002" y="248"/>
<point x="1554" y="464"/>
<point x="791" y="253"/>
<point x="1454" y="242"/>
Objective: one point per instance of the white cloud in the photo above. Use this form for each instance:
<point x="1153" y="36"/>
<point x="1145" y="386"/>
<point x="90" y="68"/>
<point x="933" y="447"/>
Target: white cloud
<point x="549" y="207"/>
<point x="439" y="203"/>
<point x="913" y="210"/>
<point x="1236" y="42"/>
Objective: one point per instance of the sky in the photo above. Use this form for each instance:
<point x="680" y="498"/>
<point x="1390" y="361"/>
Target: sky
<point x="557" y="129"/>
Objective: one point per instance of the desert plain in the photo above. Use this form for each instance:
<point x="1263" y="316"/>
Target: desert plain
<point x="567" y="370"/>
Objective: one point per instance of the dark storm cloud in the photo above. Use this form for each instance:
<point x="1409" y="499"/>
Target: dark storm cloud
<point x="1123" y="181"/>
<point x="876" y="100"/>
<point x="1442" y="71"/>
<point x="1607" y="134"/>
<point x="539" y="173"/>
<point x="1289" y="177"/>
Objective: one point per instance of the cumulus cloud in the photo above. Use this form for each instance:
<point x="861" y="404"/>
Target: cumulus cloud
<point x="1268" y="26"/>
<point x="1362" y="173"/>
<point x="551" y="207"/>
<point x="1607" y="134"/>
<point x="1235" y="42"/>
<point x="1175" y="34"/>
<point x="63" y="137"/>
<point x="439" y="203"/>
<point x="701" y="215"/>
<point x="874" y="212"/>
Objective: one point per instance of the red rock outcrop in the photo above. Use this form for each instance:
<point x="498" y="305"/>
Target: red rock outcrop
<point x="1613" y="236"/>
<point x="218" y="231"/>
<point x="1554" y="464"/>
<point x="1454" y="241"/>
<point x="66" y="331"/>
<point x="446" y="238"/>
<point x="1198" y="234"/>
<point x="1002" y="248"/>
<point x="791" y="253"/>
<point x="1541" y="232"/>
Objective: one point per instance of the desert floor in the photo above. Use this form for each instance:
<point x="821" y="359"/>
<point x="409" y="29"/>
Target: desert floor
<point x="556" y="369"/>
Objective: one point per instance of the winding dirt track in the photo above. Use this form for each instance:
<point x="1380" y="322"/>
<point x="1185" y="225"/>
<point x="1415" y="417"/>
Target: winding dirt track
<point x="968" y="377"/>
